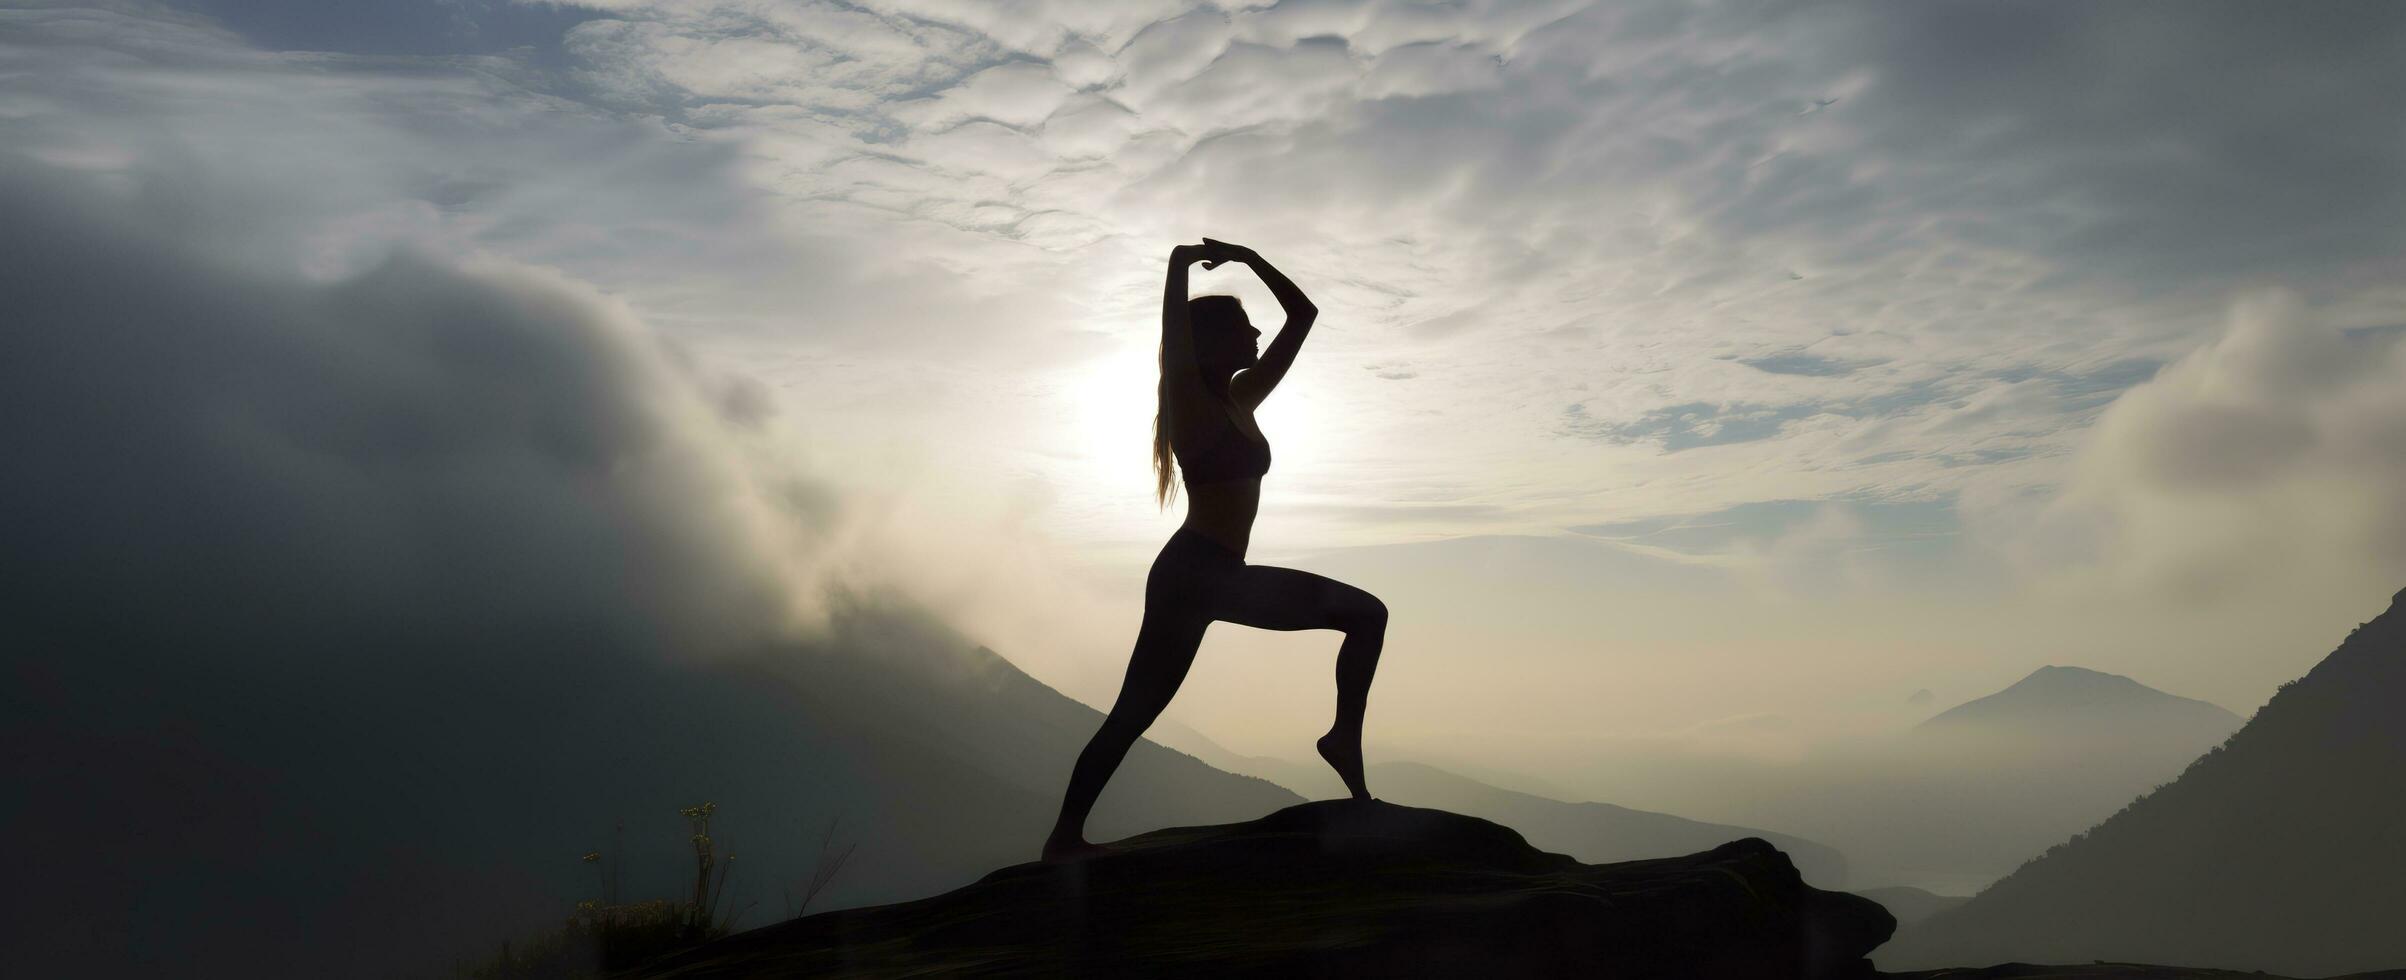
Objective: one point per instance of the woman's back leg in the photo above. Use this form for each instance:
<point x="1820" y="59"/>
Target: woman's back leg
<point x="1165" y="649"/>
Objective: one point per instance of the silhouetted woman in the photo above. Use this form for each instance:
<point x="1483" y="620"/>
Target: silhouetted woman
<point x="1212" y="376"/>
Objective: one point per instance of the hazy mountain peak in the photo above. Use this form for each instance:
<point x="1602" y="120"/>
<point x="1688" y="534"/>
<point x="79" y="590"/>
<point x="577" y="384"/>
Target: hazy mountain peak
<point x="2057" y="678"/>
<point x="2054" y="691"/>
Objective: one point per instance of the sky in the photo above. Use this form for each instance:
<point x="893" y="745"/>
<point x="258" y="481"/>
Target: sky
<point x="1680" y="365"/>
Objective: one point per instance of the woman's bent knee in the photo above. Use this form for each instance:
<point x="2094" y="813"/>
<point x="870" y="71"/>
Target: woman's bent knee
<point x="1364" y="613"/>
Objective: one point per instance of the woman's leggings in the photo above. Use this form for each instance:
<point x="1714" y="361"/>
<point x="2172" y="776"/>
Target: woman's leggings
<point x="1196" y="581"/>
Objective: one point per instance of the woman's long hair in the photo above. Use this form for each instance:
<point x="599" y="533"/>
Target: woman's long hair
<point x="1206" y="316"/>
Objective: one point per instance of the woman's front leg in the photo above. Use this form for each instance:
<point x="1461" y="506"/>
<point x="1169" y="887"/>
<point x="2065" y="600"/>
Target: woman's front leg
<point x="1269" y="597"/>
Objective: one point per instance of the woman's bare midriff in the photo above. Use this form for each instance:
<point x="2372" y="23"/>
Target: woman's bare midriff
<point x="1224" y="511"/>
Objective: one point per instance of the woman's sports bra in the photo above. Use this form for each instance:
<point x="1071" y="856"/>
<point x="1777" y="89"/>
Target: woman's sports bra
<point x="1235" y="456"/>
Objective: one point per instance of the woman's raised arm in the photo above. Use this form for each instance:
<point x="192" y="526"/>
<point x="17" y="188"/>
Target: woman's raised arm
<point x="1179" y="371"/>
<point x="1254" y="384"/>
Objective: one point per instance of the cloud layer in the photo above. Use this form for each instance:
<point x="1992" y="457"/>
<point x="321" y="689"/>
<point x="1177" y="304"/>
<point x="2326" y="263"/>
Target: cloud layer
<point x="1573" y="255"/>
<point x="1641" y="216"/>
<point x="2273" y="459"/>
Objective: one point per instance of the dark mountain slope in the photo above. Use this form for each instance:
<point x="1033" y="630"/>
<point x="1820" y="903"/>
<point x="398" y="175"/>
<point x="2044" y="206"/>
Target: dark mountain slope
<point x="2282" y="850"/>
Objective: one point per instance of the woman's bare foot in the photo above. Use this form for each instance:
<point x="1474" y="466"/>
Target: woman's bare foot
<point x="1073" y="849"/>
<point x="1345" y="756"/>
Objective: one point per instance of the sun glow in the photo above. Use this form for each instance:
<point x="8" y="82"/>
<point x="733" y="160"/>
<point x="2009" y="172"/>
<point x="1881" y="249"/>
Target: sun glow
<point x="1105" y="414"/>
<point x="1105" y="410"/>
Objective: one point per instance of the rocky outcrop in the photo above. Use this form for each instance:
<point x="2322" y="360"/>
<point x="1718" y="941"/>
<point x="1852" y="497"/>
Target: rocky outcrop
<point x="1338" y="888"/>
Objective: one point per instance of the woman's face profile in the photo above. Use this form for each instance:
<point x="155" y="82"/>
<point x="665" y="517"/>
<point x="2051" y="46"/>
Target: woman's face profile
<point x="1235" y="346"/>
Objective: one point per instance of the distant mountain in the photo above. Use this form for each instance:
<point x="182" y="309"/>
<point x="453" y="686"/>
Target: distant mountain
<point x="2053" y="697"/>
<point x="1336" y="889"/>
<point x="2280" y="850"/>
<point x="1183" y="737"/>
<point x="1957" y="801"/>
<point x="904" y="691"/>
<point x="1314" y="780"/>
